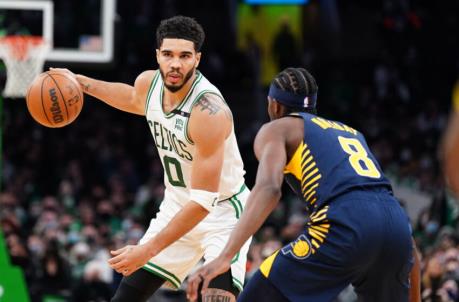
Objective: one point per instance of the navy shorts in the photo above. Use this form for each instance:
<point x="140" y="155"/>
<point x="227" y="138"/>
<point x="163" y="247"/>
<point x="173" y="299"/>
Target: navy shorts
<point x="361" y="238"/>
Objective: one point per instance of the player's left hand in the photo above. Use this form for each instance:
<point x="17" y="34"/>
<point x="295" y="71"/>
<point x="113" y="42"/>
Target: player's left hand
<point x="205" y="274"/>
<point x="128" y="259"/>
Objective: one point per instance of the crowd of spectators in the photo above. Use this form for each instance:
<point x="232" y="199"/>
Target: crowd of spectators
<point x="69" y="196"/>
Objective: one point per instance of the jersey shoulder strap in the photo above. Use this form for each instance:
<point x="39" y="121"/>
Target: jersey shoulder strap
<point x="153" y="84"/>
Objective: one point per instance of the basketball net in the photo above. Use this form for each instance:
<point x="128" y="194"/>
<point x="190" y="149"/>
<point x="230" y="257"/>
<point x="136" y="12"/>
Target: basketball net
<point x="24" y="57"/>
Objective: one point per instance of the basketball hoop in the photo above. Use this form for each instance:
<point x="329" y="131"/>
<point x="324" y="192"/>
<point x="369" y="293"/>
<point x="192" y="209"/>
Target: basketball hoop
<point x="24" y="57"/>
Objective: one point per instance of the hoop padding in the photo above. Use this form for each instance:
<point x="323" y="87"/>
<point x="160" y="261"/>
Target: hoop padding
<point x="24" y="57"/>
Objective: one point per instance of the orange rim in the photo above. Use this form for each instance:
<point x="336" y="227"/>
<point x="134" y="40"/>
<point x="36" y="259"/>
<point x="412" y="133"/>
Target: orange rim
<point x="19" y="45"/>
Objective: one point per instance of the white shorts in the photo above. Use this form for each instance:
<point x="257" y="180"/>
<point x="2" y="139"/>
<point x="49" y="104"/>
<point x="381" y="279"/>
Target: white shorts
<point x="206" y="240"/>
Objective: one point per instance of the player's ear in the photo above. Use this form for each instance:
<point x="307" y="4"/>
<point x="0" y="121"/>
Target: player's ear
<point x="157" y="55"/>
<point x="198" y="59"/>
<point x="278" y="108"/>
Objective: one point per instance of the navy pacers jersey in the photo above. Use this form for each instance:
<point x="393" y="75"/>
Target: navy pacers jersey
<point x="332" y="159"/>
<point x="356" y="232"/>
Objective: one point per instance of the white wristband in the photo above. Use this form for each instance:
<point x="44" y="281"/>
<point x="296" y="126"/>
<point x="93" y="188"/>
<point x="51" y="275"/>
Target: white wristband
<point x="206" y="199"/>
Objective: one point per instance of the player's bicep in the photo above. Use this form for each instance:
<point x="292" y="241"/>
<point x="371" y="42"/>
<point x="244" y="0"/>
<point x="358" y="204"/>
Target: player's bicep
<point x="206" y="168"/>
<point x="269" y="147"/>
<point x="208" y="130"/>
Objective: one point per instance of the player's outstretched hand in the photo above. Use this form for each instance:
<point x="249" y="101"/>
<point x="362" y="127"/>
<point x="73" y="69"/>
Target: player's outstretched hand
<point x="204" y="275"/>
<point x="128" y="259"/>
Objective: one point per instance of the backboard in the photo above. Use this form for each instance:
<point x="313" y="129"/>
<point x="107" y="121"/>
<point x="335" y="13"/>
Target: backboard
<point x="78" y="31"/>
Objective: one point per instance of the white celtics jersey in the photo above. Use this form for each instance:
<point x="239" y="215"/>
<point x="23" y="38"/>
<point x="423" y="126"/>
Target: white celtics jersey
<point x="176" y="149"/>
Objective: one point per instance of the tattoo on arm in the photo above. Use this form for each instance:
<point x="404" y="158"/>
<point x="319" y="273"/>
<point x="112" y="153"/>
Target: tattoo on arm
<point x="206" y="104"/>
<point x="86" y="87"/>
<point x="214" y="104"/>
<point x="220" y="295"/>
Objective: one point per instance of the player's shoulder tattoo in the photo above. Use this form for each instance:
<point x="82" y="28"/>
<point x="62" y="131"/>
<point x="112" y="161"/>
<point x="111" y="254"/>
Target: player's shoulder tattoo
<point x="212" y="104"/>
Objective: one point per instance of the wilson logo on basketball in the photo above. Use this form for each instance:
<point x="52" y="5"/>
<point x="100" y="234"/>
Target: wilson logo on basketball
<point x="55" y="109"/>
<point x="54" y="99"/>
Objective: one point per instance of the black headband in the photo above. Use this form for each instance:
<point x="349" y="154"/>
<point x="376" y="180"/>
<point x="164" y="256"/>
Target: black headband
<point x="292" y="100"/>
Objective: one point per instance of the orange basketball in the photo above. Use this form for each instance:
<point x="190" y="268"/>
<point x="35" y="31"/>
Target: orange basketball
<point x="54" y="99"/>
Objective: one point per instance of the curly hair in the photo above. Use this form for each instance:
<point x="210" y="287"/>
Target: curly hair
<point x="297" y="81"/>
<point x="181" y="27"/>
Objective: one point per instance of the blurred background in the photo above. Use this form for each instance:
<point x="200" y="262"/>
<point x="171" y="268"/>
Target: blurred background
<point x="387" y="68"/>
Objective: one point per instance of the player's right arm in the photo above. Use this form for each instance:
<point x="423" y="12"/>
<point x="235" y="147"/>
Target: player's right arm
<point x="270" y="149"/>
<point x="122" y="96"/>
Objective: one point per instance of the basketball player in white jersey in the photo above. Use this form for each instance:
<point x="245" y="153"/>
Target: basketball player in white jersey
<point x="205" y="194"/>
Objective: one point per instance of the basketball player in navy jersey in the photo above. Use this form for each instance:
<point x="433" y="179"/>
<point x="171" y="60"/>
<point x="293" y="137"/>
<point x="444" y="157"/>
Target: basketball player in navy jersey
<point x="356" y="233"/>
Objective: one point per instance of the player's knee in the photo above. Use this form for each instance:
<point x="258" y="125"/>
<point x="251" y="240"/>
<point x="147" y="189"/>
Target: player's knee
<point x="216" y="294"/>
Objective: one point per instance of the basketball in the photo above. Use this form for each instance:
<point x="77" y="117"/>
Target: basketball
<point x="54" y="99"/>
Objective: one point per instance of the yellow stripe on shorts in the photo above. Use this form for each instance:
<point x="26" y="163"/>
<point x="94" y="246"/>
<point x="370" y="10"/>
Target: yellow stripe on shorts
<point x="265" y="267"/>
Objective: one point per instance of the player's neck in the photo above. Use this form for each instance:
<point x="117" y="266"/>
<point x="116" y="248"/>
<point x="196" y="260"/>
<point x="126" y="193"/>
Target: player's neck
<point x="175" y="98"/>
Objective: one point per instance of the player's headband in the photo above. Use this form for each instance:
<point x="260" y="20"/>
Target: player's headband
<point x="292" y="100"/>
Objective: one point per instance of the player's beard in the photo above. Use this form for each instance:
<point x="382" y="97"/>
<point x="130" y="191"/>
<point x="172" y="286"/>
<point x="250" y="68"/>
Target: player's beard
<point x="174" y="88"/>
